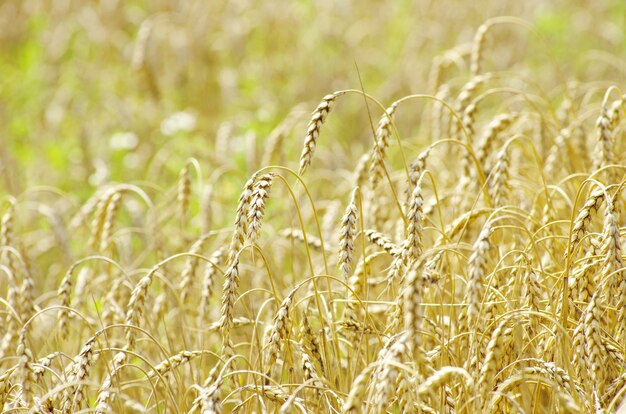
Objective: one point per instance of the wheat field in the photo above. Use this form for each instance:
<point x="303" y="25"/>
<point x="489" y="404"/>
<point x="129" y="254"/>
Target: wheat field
<point x="312" y="207"/>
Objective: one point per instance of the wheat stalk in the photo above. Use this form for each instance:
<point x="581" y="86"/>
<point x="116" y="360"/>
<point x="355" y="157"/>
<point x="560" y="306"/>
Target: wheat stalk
<point x="229" y="295"/>
<point x="279" y="329"/>
<point x="191" y="264"/>
<point x="387" y="373"/>
<point x="297" y="234"/>
<point x="585" y="214"/>
<point x="494" y="359"/>
<point x="493" y="130"/>
<point x="74" y="396"/>
<point x="477" y="264"/>
<point x="477" y="48"/>
<point x="594" y="349"/>
<point x="112" y="211"/>
<point x="347" y="236"/>
<point x="313" y="129"/>
<point x="25" y="367"/>
<point x="257" y="205"/>
<point x="136" y="305"/>
<point x="382" y="241"/>
<point x="500" y="181"/>
<point x="208" y="281"/>
<point x="383" y="134"/>
<point x="241" y="219"/>
<point x="609" y="116"/>
<point x="105" y="393"/>
<point x="183" y="192"/>
<point x="358" y="389"/>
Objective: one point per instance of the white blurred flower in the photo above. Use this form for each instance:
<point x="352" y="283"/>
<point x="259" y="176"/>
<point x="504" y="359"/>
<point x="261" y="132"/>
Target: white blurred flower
<point x="101" y="173"/>
<point x="178" y="122"/>
<point x="123" y="140"/>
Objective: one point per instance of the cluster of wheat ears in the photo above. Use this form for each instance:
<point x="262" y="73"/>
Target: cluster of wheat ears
<point x="483" y="274"/>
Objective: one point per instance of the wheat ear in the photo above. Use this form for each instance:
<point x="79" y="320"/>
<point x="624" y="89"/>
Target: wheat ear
<point x="348" y="233"/>
<point x="257" y="205"/>
<point x="313" y="129"/>
<point x="383" y="134"/>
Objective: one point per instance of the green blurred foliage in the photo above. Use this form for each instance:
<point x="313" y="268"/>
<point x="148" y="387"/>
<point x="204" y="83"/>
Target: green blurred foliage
<point x="71" y="79"/>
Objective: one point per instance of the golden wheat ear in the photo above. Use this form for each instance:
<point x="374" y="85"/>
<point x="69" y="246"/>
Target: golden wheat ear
<point x="313" y="129"/>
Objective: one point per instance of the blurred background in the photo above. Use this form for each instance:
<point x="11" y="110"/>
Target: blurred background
<point x="93" y="92"/>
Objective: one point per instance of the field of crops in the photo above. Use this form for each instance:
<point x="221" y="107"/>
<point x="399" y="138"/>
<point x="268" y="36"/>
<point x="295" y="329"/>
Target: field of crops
<point x="312" y="207"/>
